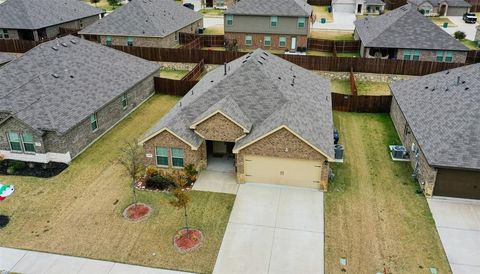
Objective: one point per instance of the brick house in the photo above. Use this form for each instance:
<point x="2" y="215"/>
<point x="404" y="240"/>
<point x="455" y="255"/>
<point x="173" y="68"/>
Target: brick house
<point x="42" y="19"/>
<point x="259" y="116"/>
<point x="269" y="24"/>
<point x="441" y="7"/>
<point x="401" y="34"/>
<point x="152" y="23"/>
<point x="358" y="7"/>
<point x="209" y="4"/>
<point x="62" y="95"/>
<point x="436" y="117"/>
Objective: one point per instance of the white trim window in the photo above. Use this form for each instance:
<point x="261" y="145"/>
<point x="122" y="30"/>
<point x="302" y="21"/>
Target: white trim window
<point x="229" y="20"/>
<point x="93" y="122"/>
<point x="124" y="101"/>
<point x="177" y="157"/>
<point x="15" y="141"/>
<point x="282" y="42"/>
<point x="28" y="144"/>
<point x="161" y="155"/>
<point x="273" y="21"/>
<point x="267" y="42"/>
<point x="301" y="22"/>
<point x="248" y="40"/>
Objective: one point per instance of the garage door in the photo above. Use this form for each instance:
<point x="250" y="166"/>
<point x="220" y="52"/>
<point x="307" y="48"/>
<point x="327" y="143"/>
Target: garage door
<point x="457" y="183"/>
<point x="456" y="11"/>
<point x="348" y="8"/>
<point x="283" y="171"/>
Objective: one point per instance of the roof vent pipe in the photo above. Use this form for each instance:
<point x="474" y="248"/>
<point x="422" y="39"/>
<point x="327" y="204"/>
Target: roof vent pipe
<point x="458" y="80"/>
<point x="225" y="68"/>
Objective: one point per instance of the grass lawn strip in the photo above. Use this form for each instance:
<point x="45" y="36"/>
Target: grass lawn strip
<point x="363" y="87"/>
<point x="332" y="35"/>
<point x="373" y="217"/>
<point x="79" y="212"/>
<point x="175" y="74"/>
<point x="214" y="30"/>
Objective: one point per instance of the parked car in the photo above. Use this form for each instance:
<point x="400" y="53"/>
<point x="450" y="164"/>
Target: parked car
<point x="470" y="17"/>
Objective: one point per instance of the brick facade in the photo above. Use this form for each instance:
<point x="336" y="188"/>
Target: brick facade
<point x="426" y="174"/>
<point x="219" y="128"/>
<point x="81" y="136"/>
<point x="165" y="139"/>
<point x="281" y="143"/>
<point x="259" y="38"/>
<point x="169" y="41"/>
<point x="431" y="55"/>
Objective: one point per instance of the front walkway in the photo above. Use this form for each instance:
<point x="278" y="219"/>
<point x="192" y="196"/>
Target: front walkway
<point x="273" y="229"/>
<point x="26" y="262"/>
<point x="458" y="224"/>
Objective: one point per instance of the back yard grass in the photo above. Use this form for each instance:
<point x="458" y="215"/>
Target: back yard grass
<point x="363" y="87"/>
<point x="373" y="217"/>
<point x="332" y="35"/>
<point x="322" y="12"/>
<point x="214" y="30"/>
<point x="103" y="4"/>
<point x="470" y="44"/>
<point x="79" y="212"/>
<point x="175" y="74"/>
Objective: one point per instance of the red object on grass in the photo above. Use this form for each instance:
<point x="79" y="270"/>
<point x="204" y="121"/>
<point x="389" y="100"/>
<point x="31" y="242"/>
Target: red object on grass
<point x="186" y="242"/>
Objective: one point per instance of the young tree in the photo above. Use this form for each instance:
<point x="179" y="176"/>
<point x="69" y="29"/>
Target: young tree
<point x="113" y="3"/>
<point x="131" y="158"/>
<point x="181" y="197"/>
<point x="94" y="2"/>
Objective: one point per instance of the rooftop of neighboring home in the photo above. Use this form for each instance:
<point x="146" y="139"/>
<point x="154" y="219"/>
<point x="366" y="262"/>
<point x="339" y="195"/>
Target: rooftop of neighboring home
<point x="451" y="3"/>
<point x="150" y="18"/>
<point x="293" y="8"/>
<point x="261" y="93"/>
<point x="37" y="14"/>
<point x="6" y="57"/>
<point x="57" y="84"/>
<point x="443" y="113"/>
<point x="405" y="28"/>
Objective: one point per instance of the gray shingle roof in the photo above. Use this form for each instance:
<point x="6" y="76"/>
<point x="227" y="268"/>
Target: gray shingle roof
<point x="36" y="14"/>
<point x="6" y="57"/>
<point x="152" y="18"/>
<point x="271" y="8"/>
<point x="451" y="3"/>
<point x="89" y="76"/>
<point x="405" y="28"/>
<point x="444" y="116"/>
<point x="260" y="85"/>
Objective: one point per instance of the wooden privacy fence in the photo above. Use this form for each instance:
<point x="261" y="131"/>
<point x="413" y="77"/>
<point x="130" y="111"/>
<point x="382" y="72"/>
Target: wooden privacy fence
<point x="353" y="84"/>
<point x="473" y="56"/>
<point x="352" y="103"/>
<point x="194" y="44"/>
<point x="195" y="73"/>
<point x="173" y="87"/>
<point x="331" y="45"/>
<point x="204" y="39"/>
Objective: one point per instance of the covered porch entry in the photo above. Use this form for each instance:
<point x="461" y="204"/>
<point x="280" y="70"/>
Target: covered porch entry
<point x="220" y="156"/>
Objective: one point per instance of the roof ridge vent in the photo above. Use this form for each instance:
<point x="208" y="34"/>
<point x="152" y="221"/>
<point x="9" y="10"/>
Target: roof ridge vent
<point x="260" y="62"/>
<point x="64" y="44"/>
<point x="73" y="41"/>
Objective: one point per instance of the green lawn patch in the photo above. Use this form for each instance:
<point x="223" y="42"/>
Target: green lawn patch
<point x="363" y="87"/>
<point x="332" y="35"/>
<point x="214" y="30"/>
<point x="470" y="44"/>
<point x="215" y="12"/>
<point x="348" y="54"/>
<point x="373" y="217"/>
<point x="79" y="212"/>
<point x="175" y="74"/>
<point x="319" y="53"/>
<point x="103" y="4"/>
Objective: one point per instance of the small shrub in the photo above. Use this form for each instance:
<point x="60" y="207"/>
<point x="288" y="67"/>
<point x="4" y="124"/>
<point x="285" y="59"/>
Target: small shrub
<point x="459" y="35"/>
<point x="159" y="182"/>
<point x="191" y="174"/>
<point x="151" y="171"/>
<point x="14" y="166"/>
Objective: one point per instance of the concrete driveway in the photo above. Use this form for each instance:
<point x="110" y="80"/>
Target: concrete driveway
<point x="341" y="21"/>
<point x="273" y="229"/>
<point x="458" y="223"/>
<point x="469" y="29"/>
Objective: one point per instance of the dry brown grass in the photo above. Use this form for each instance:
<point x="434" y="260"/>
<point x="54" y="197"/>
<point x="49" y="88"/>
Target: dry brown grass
<point x="322" y="12"/>
<point x="214" y="30"/>
<point x="373" y="216"/>
<point x="79" y="212"/>
<point x="332" y="35"/>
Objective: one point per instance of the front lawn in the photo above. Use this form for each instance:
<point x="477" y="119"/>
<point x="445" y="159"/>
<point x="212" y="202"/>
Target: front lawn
<point x="332" y="35"/>
<point x="79" y="212"/>
<point x="373" y="217"/>
<point x="103" y="4"/>
<point x="439" y="21"/>
<point x="470" y="44"/>
<point x="322" y="12"/>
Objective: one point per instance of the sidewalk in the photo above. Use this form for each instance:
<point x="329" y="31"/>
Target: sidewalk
<point x="23" y="261"/>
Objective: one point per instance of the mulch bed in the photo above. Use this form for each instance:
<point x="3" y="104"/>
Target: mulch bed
<point x="137" y="212"/>
<point x="35" y="169"/>
<point x="187" y="242"/>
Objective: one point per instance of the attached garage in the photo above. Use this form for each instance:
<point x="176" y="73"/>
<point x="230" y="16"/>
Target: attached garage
<point x="457" y="183"/>
<point x="283" y="171"/>
<point x="457" y="11"/>
<point x="344" y="7"/>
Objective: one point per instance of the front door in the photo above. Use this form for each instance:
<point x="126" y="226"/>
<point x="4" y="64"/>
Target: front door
<point x="359" y="8"/>
<point x="294" y="43"/>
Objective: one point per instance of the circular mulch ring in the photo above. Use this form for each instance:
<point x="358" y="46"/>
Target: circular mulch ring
<point x="184" y="242"/>
<point x="137" y="212"/>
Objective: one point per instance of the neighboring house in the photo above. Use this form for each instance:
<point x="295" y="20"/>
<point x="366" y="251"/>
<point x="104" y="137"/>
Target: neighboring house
<point x="437" y="118"/>
<point x="268" y="24"/>
<point x="146" y="23"/>
<point x="5" y="58"/>
<point x="264" y="118"/>
<point x="41" y="19"/>
<point x="441" y="7"/>
<point x="405" y="34"/>
<point x="358" y="6"/>
<point x="209" y="4"/>
<point x="62" y="95"/>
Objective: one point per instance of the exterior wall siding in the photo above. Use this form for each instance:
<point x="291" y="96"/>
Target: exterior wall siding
<point x="261" y="24"/>
<point x="219" y="128"/>
<point x="426" y="174"/>
<point x="258" y="40"/>
<point x="281" y="143"/>
<point x="428" y="55"/>
<point x="53" y="31"/>
<point x="169" y="41"/>
<point x="165" y="139"/>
